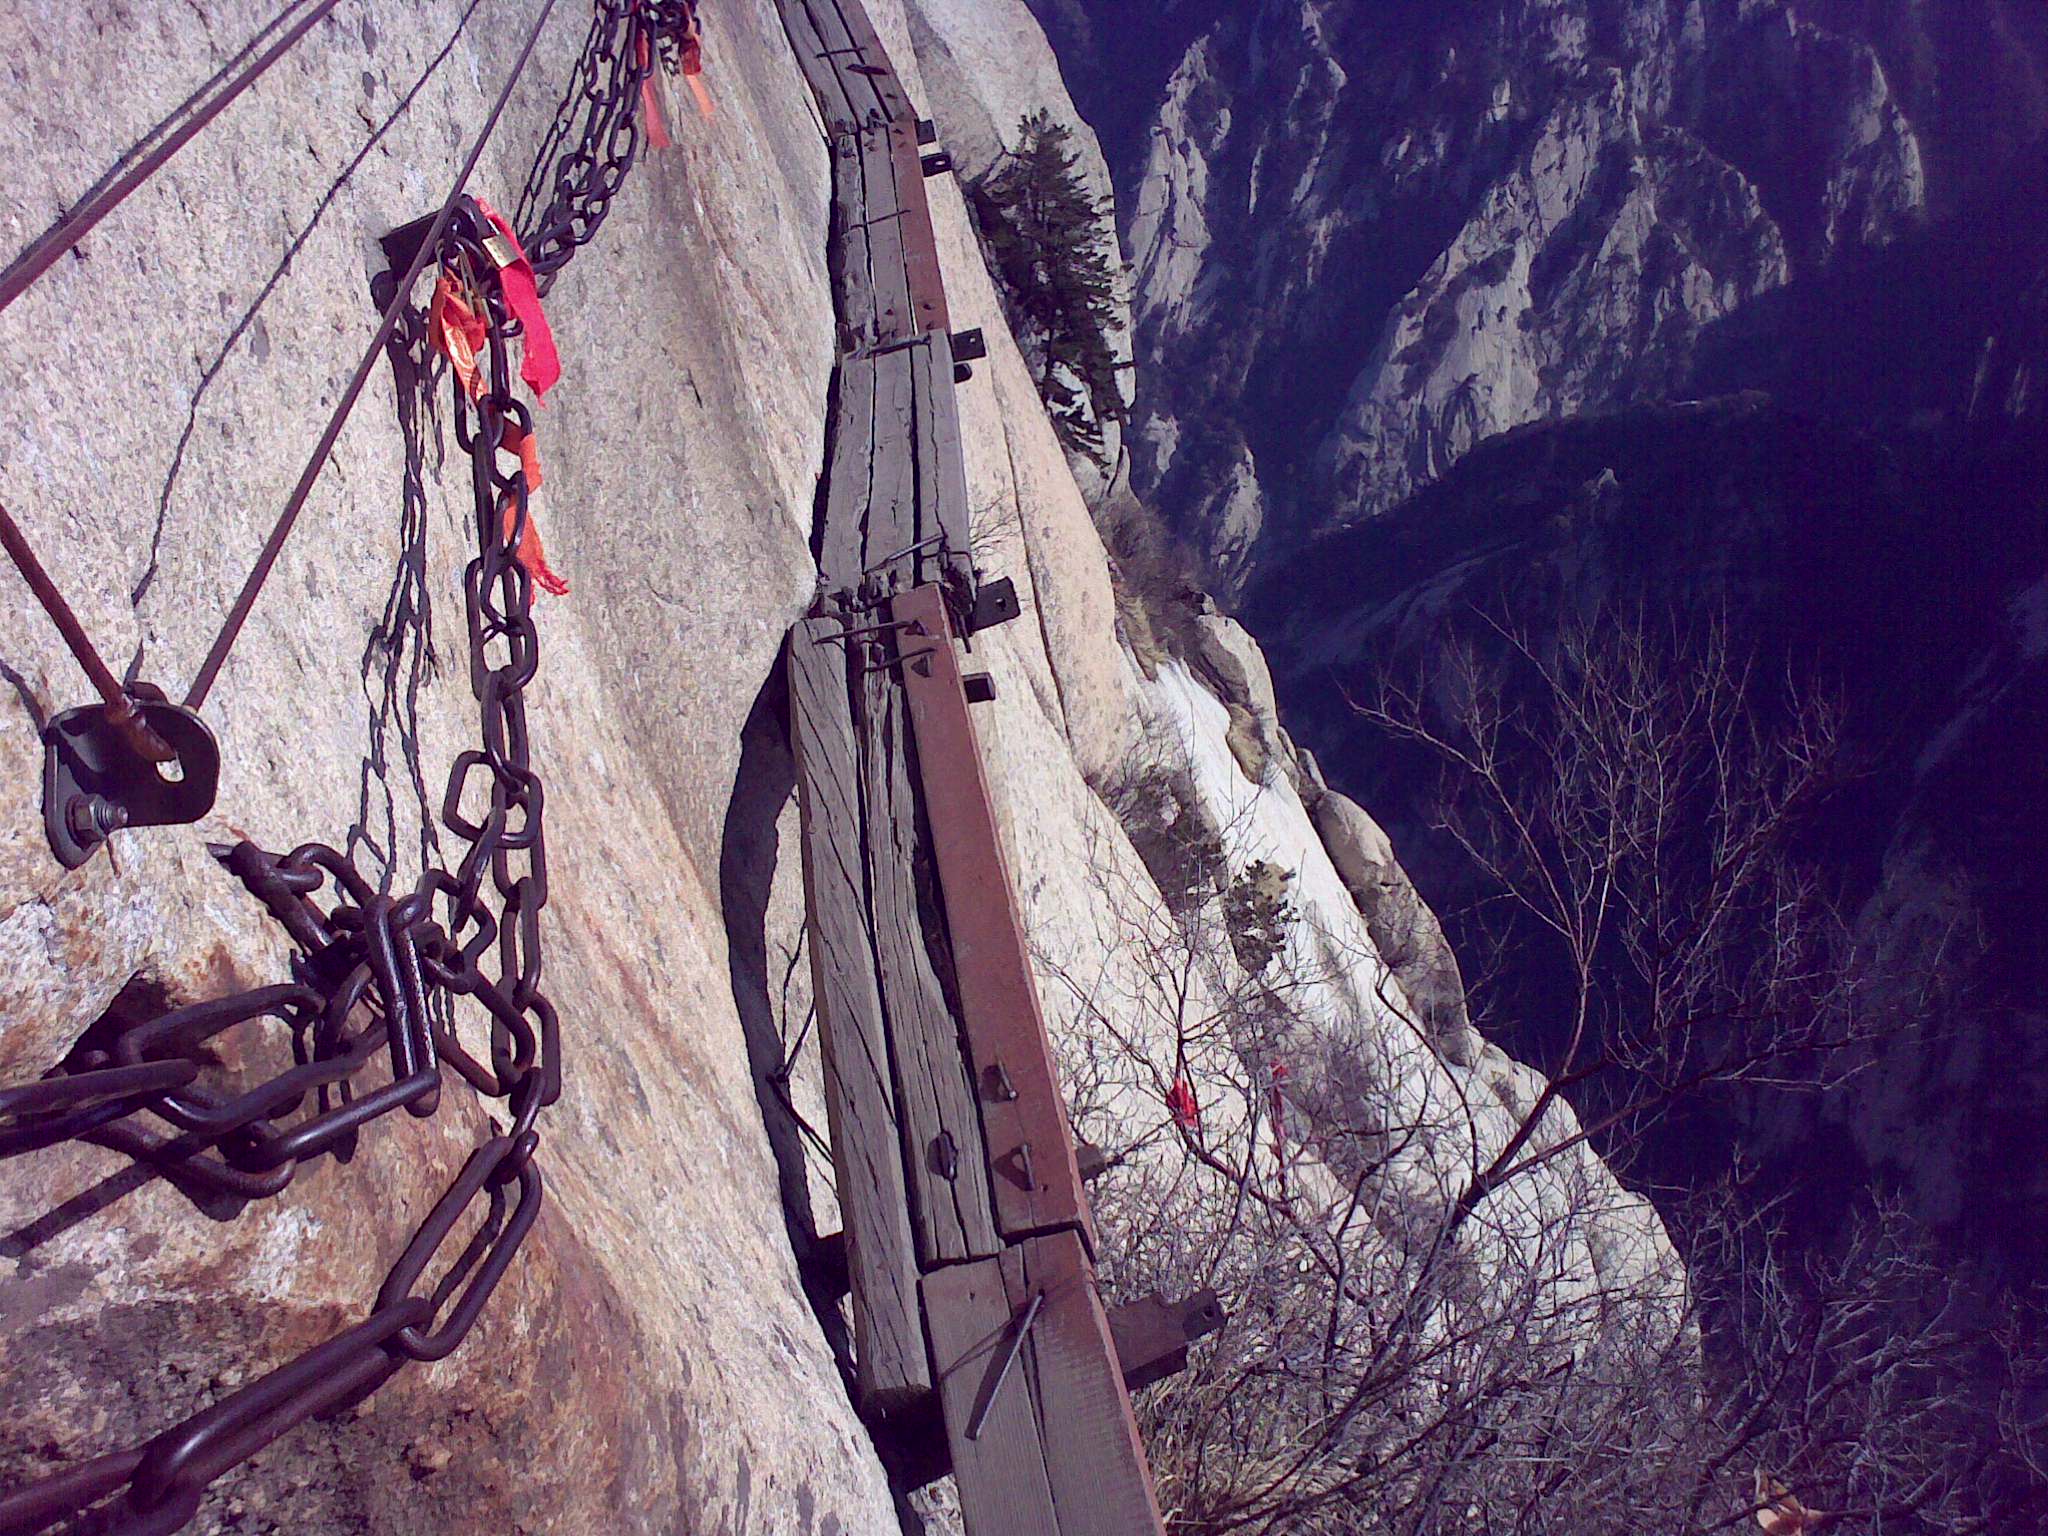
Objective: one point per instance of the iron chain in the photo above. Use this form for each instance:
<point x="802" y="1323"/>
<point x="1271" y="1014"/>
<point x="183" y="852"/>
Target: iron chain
<point x="370" y="1008"/>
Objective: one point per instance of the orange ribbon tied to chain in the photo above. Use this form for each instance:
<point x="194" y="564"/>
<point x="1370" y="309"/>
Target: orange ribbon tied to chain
<point x="692" y="65"/>
<point x="529" y="552"/>
<point x="457" y="329"/>
<point x="650" y="99"/>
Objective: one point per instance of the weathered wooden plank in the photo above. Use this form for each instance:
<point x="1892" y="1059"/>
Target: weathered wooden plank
<point x="895" y="320"/>
<point x="872" y="63"/>
<point x="851" y="255"/>
<point x="839" y="48"/>
<point x="1101" y="1482"/>
<point x="920" y="244"/>
<point x="892" y="496"/>
<point x="849" y="474"/>
<point x="941" y="468"/>
<point x="951" y="1212"/>
<point x="1004" y="1489"/>
<point x="826" y="82"/>
<point x="1031" y="1151"/>
<point x="891" y="1365"/>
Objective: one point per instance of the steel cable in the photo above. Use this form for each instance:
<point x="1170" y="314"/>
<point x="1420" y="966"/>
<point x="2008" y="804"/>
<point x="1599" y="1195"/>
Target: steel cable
<point x="103" y="199"/>
<point x="238" y="615"/>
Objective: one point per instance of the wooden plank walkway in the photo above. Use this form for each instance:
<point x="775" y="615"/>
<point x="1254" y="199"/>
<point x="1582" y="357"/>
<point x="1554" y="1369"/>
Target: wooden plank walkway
<point x="969" y="1242"/>
<point x="860" y="1094"/>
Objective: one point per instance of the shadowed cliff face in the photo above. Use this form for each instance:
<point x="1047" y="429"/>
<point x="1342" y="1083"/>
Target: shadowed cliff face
<point x="1424" y="296"/>
<point x="1367" y="237"/>
<point x="1832" y="556"/>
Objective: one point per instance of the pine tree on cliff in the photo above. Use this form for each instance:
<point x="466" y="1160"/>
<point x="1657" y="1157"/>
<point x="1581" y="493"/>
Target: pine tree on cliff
<point x="1042" y="236"/>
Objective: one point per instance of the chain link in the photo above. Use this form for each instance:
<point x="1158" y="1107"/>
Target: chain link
<point x="370" y="1009"/>
<point x="626" y="39"/>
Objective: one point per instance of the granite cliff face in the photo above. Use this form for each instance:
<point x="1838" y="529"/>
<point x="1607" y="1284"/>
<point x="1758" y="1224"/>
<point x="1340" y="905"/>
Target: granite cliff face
<point x="653" y="1360"/>
<point x="1365" y="238"/>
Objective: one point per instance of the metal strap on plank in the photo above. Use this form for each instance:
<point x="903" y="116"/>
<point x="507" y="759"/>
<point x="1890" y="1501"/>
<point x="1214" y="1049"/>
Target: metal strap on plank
<point x="1031" y="1151"/>
<point x="920" y="242"/>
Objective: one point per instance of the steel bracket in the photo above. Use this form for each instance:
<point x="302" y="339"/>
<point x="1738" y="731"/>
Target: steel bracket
<point x="995" y="602"/>
<point x="1152" y="1335"/>
<point x="402" y="244"/>
<point x="95" y="782"/>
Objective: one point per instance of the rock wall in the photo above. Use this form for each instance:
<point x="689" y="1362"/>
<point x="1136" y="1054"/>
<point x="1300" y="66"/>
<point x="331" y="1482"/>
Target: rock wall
<point x="650" y="1363"/>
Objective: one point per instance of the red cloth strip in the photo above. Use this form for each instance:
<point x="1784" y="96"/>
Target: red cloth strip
<point x="539" y="364"/>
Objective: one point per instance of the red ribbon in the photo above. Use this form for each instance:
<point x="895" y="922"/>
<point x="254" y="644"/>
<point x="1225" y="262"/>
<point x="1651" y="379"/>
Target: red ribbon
<point x="529" y="552"/>
<point x="1180" y="1101"/>
<point x="650" y="100"/>
<point x="539" y="364"/>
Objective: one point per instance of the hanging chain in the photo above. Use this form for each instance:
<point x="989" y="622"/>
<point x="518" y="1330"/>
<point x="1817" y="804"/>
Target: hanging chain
<point x="370" y="1010"/>
<point x="627" y="38"/>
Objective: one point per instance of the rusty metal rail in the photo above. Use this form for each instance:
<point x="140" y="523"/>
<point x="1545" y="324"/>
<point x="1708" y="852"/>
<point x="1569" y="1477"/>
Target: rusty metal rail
<point x="969" y="1241"/>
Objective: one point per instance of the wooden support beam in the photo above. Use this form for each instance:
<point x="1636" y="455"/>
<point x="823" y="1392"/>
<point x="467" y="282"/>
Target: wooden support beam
<point x="1101" y="1482"/>
<point x="941" y="468"/>
<point x="1037" y="1419"/>
<point x="947" y="1163"/>
<point x="872" y="62"/>
<point x="895" y="318"/>
<point x="920" y="245"/>
<point x="1004" y="1487"/>
<point x="825" y="81"/>
<point x="892" y="1369"/>
<point x="840" y="53"/>
<point x="1031" y="1151"/>
<point x="891" y="525"/>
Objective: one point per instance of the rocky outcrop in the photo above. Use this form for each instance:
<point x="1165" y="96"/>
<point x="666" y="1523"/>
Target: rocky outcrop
<point x="1404" y="930"/>
<point x="1332" y="1010"/>
<point x="1365" y="238"/>
<point x="988" y="67"/>
<point x="1584" y="277"/>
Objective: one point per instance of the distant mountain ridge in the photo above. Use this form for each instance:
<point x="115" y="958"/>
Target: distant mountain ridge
<point x="1367" y="237"/>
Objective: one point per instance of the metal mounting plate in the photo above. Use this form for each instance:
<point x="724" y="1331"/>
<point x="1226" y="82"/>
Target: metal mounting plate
<point x="91" y="774"/>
